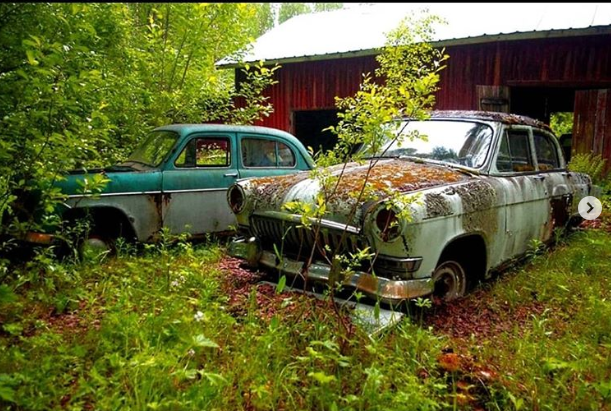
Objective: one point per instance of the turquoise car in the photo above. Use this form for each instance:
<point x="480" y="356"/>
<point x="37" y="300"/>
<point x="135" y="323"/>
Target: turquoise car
<point x="178" y="178"/>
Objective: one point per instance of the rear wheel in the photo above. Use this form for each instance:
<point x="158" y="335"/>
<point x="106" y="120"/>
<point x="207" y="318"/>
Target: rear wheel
<point x="450" y="280"/>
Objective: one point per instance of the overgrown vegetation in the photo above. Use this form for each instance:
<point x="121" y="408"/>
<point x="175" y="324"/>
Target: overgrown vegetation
<point x="561" y="123"/>
<point x="81" y="84"/>
<point x="178" y="327"/>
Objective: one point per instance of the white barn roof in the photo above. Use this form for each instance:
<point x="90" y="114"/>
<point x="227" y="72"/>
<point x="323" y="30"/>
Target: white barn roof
<point x="362" y="30"/>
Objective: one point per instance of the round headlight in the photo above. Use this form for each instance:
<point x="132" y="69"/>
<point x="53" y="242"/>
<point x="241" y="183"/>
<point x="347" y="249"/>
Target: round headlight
<point x="236" y="198"/>
<point x="388" y="225"/>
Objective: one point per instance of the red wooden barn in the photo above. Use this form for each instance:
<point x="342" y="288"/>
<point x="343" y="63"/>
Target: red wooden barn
<point x="531" y="59"/>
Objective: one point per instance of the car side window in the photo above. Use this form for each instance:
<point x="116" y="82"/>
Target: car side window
<point x="286" y="157"/>
<point x="547" y="155"/>
<point x="514" y="153"/>
<point x="205" y="152"/>
<point x="258" y="152"/>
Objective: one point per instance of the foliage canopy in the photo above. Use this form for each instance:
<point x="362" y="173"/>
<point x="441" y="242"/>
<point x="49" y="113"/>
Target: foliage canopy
<point x="81" y="84"/>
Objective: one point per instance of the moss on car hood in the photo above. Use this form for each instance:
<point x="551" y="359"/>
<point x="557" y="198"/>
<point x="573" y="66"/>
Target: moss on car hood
<point x="387" y="176"/>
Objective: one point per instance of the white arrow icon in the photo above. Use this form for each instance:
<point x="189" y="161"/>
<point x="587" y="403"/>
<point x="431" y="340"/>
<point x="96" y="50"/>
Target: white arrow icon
<point x="590" y="208"/>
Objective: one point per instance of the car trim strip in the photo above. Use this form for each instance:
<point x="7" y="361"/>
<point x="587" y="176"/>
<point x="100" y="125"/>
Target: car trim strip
<point x="146" y="193"/>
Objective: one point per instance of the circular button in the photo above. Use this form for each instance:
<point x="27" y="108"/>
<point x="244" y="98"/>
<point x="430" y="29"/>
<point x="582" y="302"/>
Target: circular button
<point x="590" y="208"/>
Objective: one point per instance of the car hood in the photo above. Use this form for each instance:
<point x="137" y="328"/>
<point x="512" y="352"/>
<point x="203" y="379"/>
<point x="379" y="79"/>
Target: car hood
<point x="122" y="180"/>
<point x="344" y="206"/>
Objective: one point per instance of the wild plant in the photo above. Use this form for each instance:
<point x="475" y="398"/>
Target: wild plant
<point x="535" y="249"/>
<point x="589" y="163"/>
<point x="402" y="87"/>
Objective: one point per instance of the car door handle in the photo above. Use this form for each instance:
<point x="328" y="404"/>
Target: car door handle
<point x="230" y="175"/>
<point x="540" y="178"/>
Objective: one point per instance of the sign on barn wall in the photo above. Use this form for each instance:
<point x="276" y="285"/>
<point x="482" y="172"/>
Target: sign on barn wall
<point x="493" y="98"/>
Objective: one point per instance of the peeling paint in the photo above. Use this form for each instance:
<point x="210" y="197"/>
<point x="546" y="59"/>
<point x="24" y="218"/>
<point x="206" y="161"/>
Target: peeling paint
<point x="437" y="205"/>
<point x="478" y="200"/>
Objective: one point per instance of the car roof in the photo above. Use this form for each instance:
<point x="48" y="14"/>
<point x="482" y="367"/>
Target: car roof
<point x="208" y="127"/>
<point x="186" y="129"/>
<point x="504" y="118"/>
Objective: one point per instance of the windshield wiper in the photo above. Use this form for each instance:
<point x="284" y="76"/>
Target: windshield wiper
<point x="374" y="157"/>
<point x="458" y="167"/>
<point x="127" y="163"/>
<point x="119" y="167"/>
<point x="419" y="160"/>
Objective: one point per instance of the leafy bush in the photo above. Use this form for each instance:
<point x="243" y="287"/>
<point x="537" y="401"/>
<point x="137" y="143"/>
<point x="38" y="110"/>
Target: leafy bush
<point x="82" y="83"/>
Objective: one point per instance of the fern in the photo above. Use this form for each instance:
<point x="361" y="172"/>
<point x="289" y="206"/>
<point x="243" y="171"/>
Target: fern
<point x="593" y="165"/>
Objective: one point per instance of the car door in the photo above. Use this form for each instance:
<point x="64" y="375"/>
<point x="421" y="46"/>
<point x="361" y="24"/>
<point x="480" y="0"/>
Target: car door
<point x="556" y="179"/>
<point x="526" y="200"/>
<point x="266" y="156"/>
<point x="195" y="184"/>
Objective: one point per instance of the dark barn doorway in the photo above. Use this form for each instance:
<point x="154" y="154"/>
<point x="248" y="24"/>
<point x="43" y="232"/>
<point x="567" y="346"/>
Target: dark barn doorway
<point x="541" y="102"/>
<point x="548" y="104"/>
<point x="308" y="126"/>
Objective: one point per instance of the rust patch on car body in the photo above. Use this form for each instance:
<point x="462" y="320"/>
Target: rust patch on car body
<point x="478" y="200"/>
<point x="397" y="175"/>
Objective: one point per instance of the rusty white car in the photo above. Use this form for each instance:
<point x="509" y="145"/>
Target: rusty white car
<point x="484" y="186"/>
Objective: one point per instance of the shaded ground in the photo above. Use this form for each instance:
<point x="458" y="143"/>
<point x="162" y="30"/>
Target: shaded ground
<point x="472" y="316"/>
<point x="476" y="316"/>
<point x="247" y="295"/>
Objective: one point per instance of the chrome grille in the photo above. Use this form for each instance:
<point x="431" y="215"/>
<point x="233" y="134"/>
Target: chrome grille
<point x="298" y="240"/>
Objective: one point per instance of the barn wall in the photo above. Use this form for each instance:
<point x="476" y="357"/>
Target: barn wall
<point x="592" y="127"/>
<point x="579" y="62"/>
<point x="313" y="86"/>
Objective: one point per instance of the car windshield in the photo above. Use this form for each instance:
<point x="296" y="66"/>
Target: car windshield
<point x="155" y="148"/>
<point x="465" y="143"/>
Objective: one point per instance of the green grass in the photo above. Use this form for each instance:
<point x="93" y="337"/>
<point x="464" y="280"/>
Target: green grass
<point x="168" y="329"/>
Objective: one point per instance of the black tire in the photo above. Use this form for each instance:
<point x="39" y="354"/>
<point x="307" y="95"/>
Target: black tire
<point x="450" y="281"/>
<point x="97" y="247"/>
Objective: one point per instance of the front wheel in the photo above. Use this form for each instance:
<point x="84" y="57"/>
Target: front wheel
<point x="96" y="247"/>
<point x="450" y="281"/>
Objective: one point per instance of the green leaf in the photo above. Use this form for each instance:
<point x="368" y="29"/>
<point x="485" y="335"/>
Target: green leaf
<point x="13" y="328"/>
<point x="277" y="252"/>
<point x="31" y="59"/>
<point x="7" y="394"/>
<point x="201" y="341"/>
<point x="7" y="295"/>
<point x="321" y="377"/>
<point x="214" y="378"/>
<point x="281" y="284"/>
<point x="191" y="374"/>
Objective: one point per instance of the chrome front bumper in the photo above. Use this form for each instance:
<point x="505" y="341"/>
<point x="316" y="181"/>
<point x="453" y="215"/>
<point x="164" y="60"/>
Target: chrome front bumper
<point x="387" y="290"/>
